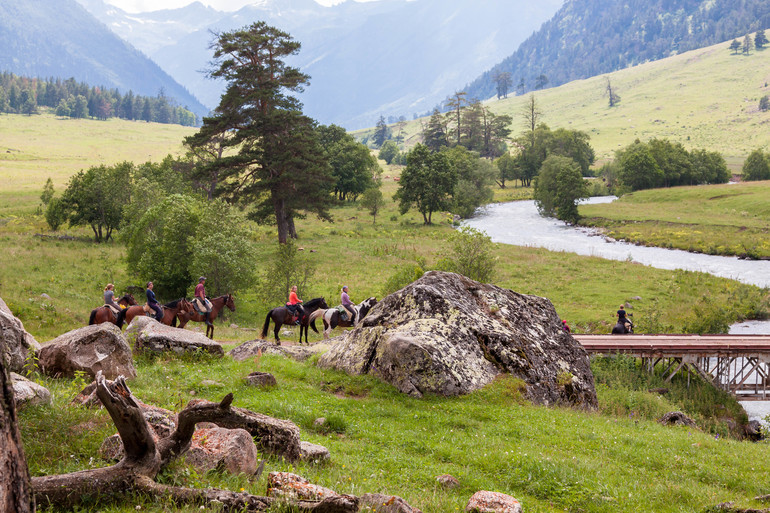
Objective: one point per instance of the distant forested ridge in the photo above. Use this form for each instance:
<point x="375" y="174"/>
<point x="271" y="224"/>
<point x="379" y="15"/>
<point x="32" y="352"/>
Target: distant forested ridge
<point x="590" y="37"/>
<point x="22" y="95"/>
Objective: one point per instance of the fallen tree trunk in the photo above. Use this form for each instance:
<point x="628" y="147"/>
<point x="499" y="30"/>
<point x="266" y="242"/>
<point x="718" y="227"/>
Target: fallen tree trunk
<point x="144" y="458"/>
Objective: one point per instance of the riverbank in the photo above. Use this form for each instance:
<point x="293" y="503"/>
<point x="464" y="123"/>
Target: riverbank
<point x="728" y="219"/>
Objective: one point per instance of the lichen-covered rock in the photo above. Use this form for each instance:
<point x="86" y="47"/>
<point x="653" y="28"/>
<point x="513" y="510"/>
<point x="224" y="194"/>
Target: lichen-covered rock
<point x="147" y="334"/>
<point x="228" y="449"/>
<point x="28" y="392"/>
<point x="446" y="334"/>
<point x="492" y="502"/>
<point x="260" y="380"/>
<point x="292" y="486"/>
<point x="17" y="343"/>
<point x="256" y="348"/>
<point x="385" y="504"/>
<point x="100" y="347"/>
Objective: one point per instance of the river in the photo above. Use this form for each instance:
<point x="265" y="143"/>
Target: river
<point x="520" y="224"/>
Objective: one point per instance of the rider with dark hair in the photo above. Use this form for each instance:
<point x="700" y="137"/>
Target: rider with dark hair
<point x="153" y="303"/>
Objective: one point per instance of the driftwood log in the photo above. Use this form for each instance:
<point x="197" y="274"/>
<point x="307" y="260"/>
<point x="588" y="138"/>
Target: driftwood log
<point x="144" y="458"/>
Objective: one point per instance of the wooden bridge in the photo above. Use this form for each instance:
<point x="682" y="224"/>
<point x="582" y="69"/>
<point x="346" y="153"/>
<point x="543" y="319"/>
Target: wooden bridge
<point x="739" y="364"/>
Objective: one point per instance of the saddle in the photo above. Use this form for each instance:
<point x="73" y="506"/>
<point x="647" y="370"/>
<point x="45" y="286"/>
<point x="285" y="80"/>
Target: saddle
<point x="149" y="312"/>
<point x="114" y="310"/>
<point x="344" y="313"/>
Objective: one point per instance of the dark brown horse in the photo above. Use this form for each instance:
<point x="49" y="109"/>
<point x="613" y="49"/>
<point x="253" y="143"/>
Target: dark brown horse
<point x="282" y="315"/>
<point x="170" y="311"/>
<point x="105" y="314"/>
<point x="216" y="306"/>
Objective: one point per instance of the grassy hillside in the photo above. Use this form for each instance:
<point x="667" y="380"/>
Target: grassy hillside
<point x="730" y="219"/>
<point x="34" y="148"/>
<point x="705" y="98"/>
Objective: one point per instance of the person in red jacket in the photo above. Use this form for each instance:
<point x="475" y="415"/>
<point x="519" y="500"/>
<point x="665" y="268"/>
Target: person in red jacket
<point x="295" y="305"/>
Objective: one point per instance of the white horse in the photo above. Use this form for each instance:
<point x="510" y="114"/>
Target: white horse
<point x="333" y="318"/>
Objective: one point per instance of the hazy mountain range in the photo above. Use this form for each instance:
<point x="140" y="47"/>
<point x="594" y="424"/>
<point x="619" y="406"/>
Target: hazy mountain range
<point x="388" y="58"/>
<point x="59" y="38"/>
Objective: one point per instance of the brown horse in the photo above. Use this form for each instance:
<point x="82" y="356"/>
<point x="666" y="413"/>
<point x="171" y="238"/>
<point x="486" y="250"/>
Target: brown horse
<point x="104" y="313"/>
<point x="170" y="311"/>
<point x="216" y="306"/>
<point x="282" y="315"/>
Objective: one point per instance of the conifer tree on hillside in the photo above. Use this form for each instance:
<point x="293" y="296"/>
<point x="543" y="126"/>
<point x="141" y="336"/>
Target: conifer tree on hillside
<point x="760" y="40"/>
<point x="748" y="44"/>
<point x="272" y="161"/>
<point x="381" y="133"/>
<point x="735" y="46"/>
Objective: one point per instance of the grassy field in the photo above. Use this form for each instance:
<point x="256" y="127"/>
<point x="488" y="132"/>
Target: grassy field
<point x="552" y="459"/>
<point x="706" y="98"/>
<point x="730" y="219"/>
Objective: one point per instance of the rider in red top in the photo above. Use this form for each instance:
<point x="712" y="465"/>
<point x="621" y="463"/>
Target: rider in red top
<point x="295" y="305"/>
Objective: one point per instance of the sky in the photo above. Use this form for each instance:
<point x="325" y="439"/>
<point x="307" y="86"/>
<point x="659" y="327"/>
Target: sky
<point x="222" y="5"/>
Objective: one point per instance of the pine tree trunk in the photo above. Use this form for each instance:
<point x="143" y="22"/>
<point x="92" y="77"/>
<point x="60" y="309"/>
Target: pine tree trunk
<point x="15" y="489"/>
<point x="279" y="206"/>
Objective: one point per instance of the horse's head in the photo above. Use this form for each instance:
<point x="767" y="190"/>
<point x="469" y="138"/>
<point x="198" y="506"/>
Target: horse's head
<point x="185" y="306"/>
<point x="322" y="304"/>
<point x="365" y="306"/>
<point x="230" y="302"/>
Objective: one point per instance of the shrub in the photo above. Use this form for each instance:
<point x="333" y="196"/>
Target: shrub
<point x="470" y="255"/>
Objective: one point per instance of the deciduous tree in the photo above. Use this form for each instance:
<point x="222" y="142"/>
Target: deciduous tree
<point x="427" y="182"/>
<point x="756" y="166"/>
<point x="558" y="188"/>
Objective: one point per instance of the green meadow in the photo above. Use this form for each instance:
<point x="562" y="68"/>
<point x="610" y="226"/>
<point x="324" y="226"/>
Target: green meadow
<point x="706" y="98"/>
<point x="552" y="459"/>
<point x="729" y="219"/>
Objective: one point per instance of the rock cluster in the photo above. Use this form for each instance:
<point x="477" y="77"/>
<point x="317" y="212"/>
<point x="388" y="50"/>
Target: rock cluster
<point x="446" y="334"/>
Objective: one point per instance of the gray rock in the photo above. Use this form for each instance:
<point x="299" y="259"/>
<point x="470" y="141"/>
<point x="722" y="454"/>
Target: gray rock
<point x="446" y="334"/>
<point x="254" y="348"/>
<point x="291" y="486"/>
<point x="147" y="334"/>
<point x="448" y="481"/>
<point x="28" y="392"/>
<point x="219" y="448"/>
<point x="260" y="380"/>
<point x="313" y="452"/>
<point x="45" y="296"/>
<point x="676" y="418"/>
<point x="100" y="347"/>
<point x="17" y="343"/>
<point x="385" y="504"/>
<point x="492" y="502"/>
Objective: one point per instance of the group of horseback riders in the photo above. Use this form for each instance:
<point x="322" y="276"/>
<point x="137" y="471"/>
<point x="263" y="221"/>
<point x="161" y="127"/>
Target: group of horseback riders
<point x="200" y="301"/>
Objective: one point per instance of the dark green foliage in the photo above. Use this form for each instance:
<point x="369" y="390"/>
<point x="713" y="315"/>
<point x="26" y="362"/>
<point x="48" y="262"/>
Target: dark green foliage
<point x="55" y="214"/>
<point x="95" y="197"/>
<point x="353" y="166"/>
<point x="735" y="46"/>
<point x="592" y="37"/>
<point x="427" y="182"/>
<point x="381" y="133"/>
<point x="503" y="82"/>
<point x="372" y="201"/>
<point x="48" y="192"/>
<point x="757" y="166"/>
<point x="760" y="40"/>
<point x="475" y="177"/>
<point x="748" y="44"/>
<point x="388" y="152"/>
<point x="764" y="103"/>
<point x="558" y="188"/>
<point x="507" y="169"/>
<point x="435" y="133"/>
<point x="661" y="163"/>
<point x="271" y="159"/>
<point x="79" y="100"/>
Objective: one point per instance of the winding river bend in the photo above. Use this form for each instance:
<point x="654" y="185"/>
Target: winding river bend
<point x="519" y="223"/>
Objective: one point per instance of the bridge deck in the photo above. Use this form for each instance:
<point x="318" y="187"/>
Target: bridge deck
<point x="739" y="364"/>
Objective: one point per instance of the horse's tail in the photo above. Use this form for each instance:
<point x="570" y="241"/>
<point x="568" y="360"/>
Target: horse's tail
<point x="267" y="325"/>
<point x="121" y="317"/>
<point x="92" y="319"/>
<point x="315" y="315"/>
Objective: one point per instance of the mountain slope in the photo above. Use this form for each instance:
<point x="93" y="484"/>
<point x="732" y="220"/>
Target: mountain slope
<point x="589" y="37"/>
<point x="365" y="59"/>
<point x="59" y="38"/>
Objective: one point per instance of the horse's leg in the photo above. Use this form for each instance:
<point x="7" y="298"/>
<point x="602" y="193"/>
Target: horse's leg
<point x="275" y="331"/>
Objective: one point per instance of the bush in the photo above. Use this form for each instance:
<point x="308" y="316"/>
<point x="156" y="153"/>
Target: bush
<point x="403" y="276"/>
<point x="55" y="213"/>
<point x="471" y="255"/>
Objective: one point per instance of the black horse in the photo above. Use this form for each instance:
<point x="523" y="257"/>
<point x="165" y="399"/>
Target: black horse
<point x="282" y="315"/>
<point x="623" y="328"/>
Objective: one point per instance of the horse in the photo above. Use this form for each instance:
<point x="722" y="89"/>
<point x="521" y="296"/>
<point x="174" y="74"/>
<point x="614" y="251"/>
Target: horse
<point x="623" y="328"/>
<point x="170" y="311"/>
<point x="216" y="306"/>
<point x="281" y="315"/>
<point x="105" y="314"/>
<point x="333" y="318"/>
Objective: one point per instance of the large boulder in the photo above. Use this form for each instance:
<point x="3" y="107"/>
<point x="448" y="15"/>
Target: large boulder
<point x="446" y="334"/>
<point x="100" y="347"/>
<point x="147" y="334"/>
<point x="232" y="450"/>
<point x="17" y="343"/>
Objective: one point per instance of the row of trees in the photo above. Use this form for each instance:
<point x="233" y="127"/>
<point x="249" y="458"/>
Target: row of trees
<point x="68" y="98"/>
<point x="758" y="41"/>
<point x="662" y="163"/>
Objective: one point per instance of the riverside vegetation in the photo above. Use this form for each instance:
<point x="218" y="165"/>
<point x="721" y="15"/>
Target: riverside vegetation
<point x="551" y="459"/>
